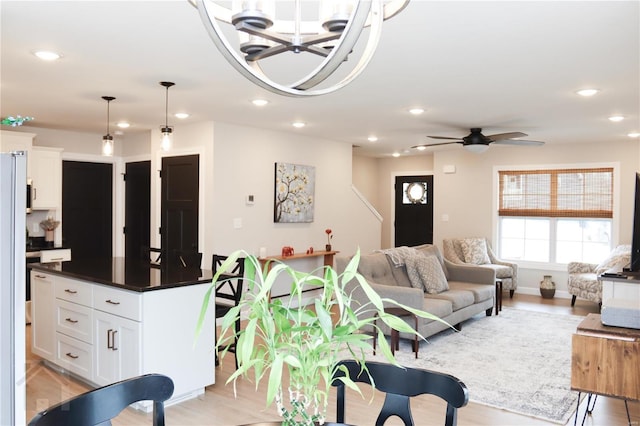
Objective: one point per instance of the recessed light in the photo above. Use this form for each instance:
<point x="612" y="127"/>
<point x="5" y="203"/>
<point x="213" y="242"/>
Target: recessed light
<point x="46" y="55"/>
<point x="298" y="124"/>
<point x="118" y="132"/>
<point x="123" y="124"/>
<point x="372" y="138"/>
<point x="587" y="92"/>
<point x="181" y="115"/>
<point x="634" y="134"/>
<point x="616" y="118"/>
<point x="416" y="111"/>
<point x="259" y="102"/>
<point x="395" y="154"/>
<point x="420" y="147"/>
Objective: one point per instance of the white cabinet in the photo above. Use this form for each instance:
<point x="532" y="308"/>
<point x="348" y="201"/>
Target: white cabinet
<point x="43" y="314"/>
<point x="621" y="289"/>
<point x="17" y="141"/>
<point x="55" y="255"/>
<point x="104" y="334"/>
<point x="46" y="174"/>
<point x="116" y="349"/>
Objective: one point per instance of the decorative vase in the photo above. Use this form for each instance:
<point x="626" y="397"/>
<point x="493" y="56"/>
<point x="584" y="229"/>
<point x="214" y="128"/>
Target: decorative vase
<point x="48" y="236"/>
<point x="547" y="287"/>
<point x="327" y="247"/>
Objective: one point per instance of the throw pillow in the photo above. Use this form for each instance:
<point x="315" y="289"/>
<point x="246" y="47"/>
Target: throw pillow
<point x="475" y="250"/>
<point x="619" y="258"/>
<point x="412" y="272"/>
<point x="427" y="271"/>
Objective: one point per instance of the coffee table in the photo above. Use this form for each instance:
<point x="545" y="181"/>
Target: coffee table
<point x="395" y="334"/>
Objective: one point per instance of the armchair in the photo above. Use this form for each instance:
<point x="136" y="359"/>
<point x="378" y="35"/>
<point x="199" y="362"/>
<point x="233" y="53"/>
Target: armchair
<point x="478" y="252"/>
<point x="583" y="277"/>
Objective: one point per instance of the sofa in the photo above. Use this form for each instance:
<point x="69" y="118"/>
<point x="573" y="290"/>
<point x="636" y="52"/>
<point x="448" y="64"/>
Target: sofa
<point x="471" y="289"/>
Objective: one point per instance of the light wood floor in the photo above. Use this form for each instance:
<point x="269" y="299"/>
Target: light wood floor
<point x="218" y="406"/>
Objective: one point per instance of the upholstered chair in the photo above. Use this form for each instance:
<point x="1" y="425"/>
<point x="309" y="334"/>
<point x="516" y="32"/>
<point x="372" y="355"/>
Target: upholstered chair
<point x="583" y="277"/>
<point x="478" y="252"/>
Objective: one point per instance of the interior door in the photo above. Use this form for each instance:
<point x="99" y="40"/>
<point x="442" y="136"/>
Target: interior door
<point x="413" y="210"/>
<point x="137" y="213"/>
<point x="179" y="203"/>
<point x="87" y="197"/>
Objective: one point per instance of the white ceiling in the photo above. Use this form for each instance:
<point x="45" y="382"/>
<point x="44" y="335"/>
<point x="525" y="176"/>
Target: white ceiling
<point x="503" y="66"/>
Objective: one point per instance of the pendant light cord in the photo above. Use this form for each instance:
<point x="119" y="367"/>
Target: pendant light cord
<point x="166" y="108"/>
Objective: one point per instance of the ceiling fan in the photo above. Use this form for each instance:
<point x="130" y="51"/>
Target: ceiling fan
<point x="477" y="142"/>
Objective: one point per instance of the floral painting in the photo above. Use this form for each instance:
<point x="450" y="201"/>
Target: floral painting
<point x="294" y="193"/>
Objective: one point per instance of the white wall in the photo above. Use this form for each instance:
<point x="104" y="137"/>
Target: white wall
<point x="236" y="161"/>
<point x="243" y="164"/>
<point x="468" y="196"/>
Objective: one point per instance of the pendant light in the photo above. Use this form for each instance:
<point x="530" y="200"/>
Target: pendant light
<point x="107" y="140"/>
<point x="166" y="130"/>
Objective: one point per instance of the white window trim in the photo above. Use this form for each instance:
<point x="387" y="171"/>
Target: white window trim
<point x="615" y="220"/>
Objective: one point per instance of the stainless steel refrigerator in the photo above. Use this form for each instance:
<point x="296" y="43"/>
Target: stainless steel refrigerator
<point x="13" y="181"/>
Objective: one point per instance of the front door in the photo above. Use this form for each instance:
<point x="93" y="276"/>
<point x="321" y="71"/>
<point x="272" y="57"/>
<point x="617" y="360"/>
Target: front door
<point x="413" y="210"/>
<point x="179" y="203"/>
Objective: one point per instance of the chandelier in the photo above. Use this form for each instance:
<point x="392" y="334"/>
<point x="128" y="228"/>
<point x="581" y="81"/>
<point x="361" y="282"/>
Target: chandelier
<point x="332" y="35"/>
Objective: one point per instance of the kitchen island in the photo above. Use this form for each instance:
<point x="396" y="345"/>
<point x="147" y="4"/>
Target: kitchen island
<point x="107" y="319"/>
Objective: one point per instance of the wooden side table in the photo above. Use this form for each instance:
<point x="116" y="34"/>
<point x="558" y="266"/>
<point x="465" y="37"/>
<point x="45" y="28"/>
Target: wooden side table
<point x="604" y="361"/>
<point x="395" y="334"/>
<point x="498" y="296"/>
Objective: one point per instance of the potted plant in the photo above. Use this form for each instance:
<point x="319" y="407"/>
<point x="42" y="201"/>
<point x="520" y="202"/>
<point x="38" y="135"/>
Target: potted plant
<point x="306" y="341"/>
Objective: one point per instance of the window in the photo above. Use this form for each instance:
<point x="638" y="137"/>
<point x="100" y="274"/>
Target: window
<point x="555" y="216"/>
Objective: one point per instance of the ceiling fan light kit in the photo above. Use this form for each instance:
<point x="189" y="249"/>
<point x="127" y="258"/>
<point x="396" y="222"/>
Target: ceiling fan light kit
<point x="332" y="36"/>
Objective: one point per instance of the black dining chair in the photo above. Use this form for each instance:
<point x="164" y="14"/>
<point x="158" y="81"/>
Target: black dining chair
<point x="400" y="384"/>
<point x="153" y="255"/>
<point x="228" y="292"/>
<point x="185" y="258"/>
<point x="99" y="406"/>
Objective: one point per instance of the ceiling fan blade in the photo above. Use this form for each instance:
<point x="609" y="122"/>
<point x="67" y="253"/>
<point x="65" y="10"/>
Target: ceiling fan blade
<point x="427" y="145"/>
<point x="510" y="135"/>
<point x="518" y="142"/>
<point x="444" y="137"/>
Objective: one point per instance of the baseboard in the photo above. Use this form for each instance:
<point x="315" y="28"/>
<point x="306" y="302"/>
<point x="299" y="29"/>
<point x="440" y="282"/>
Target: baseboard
<point x="536" y="292"/>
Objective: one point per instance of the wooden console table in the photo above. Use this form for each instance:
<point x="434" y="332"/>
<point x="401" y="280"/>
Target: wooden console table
<point x="605" y="360"/>
<point x="327" y="261"/>
<point x="328" y="257"/>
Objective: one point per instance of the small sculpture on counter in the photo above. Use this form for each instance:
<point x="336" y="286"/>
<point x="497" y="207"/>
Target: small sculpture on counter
<point x="287" y="251"/>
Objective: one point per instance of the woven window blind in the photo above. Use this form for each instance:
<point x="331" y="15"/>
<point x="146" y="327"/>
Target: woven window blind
<point x="584" y="193"/>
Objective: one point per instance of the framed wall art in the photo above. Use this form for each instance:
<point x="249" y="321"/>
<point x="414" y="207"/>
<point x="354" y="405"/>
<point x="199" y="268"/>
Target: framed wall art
<point x="294" y="193"/>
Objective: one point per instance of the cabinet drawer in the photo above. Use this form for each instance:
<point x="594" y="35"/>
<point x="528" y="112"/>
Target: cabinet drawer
<point x="74" y="291"/>
<point x="74" y="320"/>
<point x="61" y="255"/>
<point x="74" y="355"/>
<point x="123" y="303"/>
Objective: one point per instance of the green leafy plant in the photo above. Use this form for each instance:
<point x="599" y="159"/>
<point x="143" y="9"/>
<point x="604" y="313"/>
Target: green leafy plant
<point x="306" y="341"/>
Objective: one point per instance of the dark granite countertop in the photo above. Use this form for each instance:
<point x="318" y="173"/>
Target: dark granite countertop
<point x="129" y="274"/>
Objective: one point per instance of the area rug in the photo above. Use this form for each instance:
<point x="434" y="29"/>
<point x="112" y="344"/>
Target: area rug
<point x="519" y="361"/>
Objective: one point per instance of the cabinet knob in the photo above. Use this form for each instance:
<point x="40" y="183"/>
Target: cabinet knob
<point x="67" y="290"/>
<point x="72" y="356"/>
<point x="72" y="321"/>
<point x="111" y="302"/>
